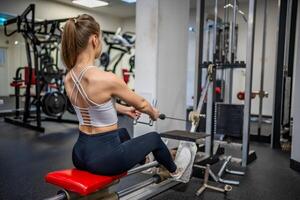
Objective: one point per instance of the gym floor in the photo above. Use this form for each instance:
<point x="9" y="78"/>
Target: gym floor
<point x="27" y="156"/>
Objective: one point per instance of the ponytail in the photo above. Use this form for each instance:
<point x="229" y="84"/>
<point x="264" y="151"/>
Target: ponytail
<point x="68" y="45"/>
<point x="76" y="34"/>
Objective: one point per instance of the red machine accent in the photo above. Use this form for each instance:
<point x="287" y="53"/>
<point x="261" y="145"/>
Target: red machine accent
<point x="126" y="75"/>
<point x="241" y="95"/>
<point x="218" y="90"/>
<point x="33" y="78"/>
<point x="81" y="182"/>
<point x="17" y="84"/>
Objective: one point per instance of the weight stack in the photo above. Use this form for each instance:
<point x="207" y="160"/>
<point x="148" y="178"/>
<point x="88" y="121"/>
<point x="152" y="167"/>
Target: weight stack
<point x="229" y="120"/>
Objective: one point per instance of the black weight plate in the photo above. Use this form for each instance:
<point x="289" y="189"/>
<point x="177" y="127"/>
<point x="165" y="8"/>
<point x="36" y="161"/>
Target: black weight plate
<point x="104" y="59"/>
<point x="54" y="104"/>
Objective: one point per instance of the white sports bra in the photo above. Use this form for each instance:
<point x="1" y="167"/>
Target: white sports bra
<point x="98" y="115"/>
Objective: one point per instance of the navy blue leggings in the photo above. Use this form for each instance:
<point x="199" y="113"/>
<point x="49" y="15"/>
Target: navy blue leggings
<point x="115" y="152"/>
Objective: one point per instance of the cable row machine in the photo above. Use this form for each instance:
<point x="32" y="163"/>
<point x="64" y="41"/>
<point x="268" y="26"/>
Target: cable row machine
<point x="78" y="184"/>
<point x="42" y="39"/>
<point x="217" y="58"/>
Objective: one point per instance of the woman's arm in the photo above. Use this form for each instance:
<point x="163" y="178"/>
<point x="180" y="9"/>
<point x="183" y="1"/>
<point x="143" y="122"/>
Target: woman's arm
<point x="120" y="108"/>
<point x="127" y="110"/>
<point x="121" y="90"/>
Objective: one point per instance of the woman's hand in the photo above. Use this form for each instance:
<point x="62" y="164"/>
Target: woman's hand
<point x="132" y="112"/>
<point x="155" y="114"/>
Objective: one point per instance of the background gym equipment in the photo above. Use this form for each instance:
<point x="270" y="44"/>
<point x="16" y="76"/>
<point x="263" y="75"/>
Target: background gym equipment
<point x="227" y="188"/>
<point x="54" y="104"/>
<point x="208" y="92"/>
<point x="241" y="95"/>
<point x="118" y="45"/>
<point x="210" y="152"/>
<point x="218" y="62"/>
<point x="229" y="120"/>
<point x="221" y="59"/>
<point x="42" y="39"/>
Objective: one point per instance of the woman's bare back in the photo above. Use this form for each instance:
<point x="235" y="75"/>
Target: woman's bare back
<point x="97" y="86"/>
<point x="94" y="82"/>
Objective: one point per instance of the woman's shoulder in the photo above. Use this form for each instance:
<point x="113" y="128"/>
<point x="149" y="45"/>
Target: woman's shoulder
<point x="97" y="75"/>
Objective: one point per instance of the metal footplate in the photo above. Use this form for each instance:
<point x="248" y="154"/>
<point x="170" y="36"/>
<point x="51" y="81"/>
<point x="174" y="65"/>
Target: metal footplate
<point x="184" y="135"/>
<point x="189" y="140"/>
<point x="193" y="149"/>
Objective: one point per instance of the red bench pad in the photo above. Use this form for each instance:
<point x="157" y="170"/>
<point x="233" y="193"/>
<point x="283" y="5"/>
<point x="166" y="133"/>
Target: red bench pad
<point x="81" y="182"/>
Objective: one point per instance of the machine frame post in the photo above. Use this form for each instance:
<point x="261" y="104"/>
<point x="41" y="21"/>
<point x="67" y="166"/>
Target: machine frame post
<point x="248" y="81"/>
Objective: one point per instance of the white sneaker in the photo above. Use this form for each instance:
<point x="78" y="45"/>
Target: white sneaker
<point x="149" y="159"/>
<point x="178" y="174"/>
<point x="182" y="161"/>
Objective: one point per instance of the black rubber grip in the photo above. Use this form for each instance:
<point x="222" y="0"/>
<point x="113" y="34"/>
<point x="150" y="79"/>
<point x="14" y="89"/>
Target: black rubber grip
<point x="162" y="116"/>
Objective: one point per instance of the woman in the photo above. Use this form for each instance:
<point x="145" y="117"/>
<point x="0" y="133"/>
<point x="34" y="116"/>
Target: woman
<point x="101" y="147"/>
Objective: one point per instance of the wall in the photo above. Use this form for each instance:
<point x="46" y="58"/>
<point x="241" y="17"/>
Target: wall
<point x="4" y="70"/>
<point x="146" y="61"/>
<point x="15" y="58"/>
<point x="16" y="55"/>
<point x="161" y="56"/>
<point x="172" y="60"/>
<point x="128" y="24"/>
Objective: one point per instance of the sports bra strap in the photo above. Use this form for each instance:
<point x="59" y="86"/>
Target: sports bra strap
<point x="80" y="88"/>
<point x="82" y="72"/>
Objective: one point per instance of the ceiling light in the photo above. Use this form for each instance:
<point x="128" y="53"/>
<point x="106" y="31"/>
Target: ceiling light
<point x="90" y="3"/>
<point x="129" y="1"/>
